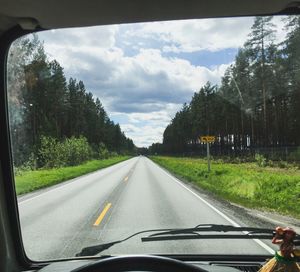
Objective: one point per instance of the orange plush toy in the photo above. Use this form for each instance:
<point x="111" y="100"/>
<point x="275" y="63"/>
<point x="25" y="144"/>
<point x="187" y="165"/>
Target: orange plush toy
<point x="285" y="258"/>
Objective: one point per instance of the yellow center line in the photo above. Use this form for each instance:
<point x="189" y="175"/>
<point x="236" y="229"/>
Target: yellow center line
<point x="126" y="179"/>
<point x="102" y="214"/>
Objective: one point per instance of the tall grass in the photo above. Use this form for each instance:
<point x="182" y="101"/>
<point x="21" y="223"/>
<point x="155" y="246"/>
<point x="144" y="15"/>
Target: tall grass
<point x="29" y="181"/>
<point x="246" y="183"/>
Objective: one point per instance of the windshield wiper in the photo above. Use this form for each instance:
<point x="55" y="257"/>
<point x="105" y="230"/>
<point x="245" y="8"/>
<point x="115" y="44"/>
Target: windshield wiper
<point x="194" y="233"/>
<point x="93" y="250"/>
<point x="190" y="233"/>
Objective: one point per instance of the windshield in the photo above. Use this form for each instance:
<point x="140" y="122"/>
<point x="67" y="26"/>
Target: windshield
<point x="123" y="128"/>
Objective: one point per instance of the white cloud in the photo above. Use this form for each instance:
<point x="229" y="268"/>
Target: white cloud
<point x="280" y="29"/>
<point x="206" y="34"/>
<point x="149" y="86"/>
<point x="147" y="128"/>
<point x="66" y="45"/>
<point x="196" y="35"/>
<point x="98" y="36"/>
<point x="147" y="77"/>
<point x="144" y="135"/>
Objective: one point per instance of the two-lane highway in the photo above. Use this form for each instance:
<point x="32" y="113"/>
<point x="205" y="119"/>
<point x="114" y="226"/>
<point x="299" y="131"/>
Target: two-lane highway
<point x="115" y="202"/>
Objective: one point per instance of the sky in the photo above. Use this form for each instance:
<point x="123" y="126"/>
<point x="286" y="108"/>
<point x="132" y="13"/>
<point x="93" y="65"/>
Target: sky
<point x="143" y="73"/>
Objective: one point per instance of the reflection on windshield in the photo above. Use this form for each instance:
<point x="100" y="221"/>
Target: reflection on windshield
<point x="165" y="125"/>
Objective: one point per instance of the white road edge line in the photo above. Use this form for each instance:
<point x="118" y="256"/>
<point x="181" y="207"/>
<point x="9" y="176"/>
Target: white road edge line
<point x="259" y="242"/>
<point x="61" y="186"/>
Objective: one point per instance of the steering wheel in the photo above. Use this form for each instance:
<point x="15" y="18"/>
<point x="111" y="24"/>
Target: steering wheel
<point x="138" y="263"/>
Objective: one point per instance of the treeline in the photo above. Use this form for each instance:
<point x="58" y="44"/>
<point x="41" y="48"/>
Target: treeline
<point x="43" y="103"/>
<point x="257" y="104"/>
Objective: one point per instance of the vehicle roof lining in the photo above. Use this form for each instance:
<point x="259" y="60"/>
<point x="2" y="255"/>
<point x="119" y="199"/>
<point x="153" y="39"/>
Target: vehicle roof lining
<point x="76" y="13"/>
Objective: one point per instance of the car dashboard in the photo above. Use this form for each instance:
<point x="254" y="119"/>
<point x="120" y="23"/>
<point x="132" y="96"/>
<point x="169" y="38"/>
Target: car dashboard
<point x="68" y="266"/>
<point x="224" y="264"/>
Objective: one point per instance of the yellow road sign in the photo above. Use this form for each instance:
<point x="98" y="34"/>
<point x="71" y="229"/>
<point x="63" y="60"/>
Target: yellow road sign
<point x="207" y="139"/>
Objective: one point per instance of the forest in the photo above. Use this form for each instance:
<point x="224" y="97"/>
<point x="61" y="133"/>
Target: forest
<point x="55" y="121"/>
<point x="256" y="106"/>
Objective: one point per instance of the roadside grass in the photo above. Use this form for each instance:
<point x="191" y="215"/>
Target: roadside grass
<point x="29" y="181"/>
<point x="246" y="183"/>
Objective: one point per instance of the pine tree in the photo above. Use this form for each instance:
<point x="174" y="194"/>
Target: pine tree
<point x="260" y="38"/>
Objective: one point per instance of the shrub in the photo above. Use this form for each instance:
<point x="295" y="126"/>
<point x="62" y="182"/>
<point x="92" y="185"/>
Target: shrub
<point x="113" y="154"/>
<point x="283" y="164"/>
<point x="71" y="151"/>
<point x="50" y="152"/>
<point x="103" y="152"/>
<point x="76" y="150"/>
<point x="295" y="155"/>
<point x="29" y="165"/>
<point x="237" y="160"/>
<point x="260" y="160"/>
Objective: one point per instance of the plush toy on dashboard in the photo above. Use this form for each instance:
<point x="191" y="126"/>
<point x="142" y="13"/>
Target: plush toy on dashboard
<point x="284" y="259"/>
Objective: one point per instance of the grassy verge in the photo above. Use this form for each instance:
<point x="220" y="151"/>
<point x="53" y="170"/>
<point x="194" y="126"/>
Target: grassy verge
<point x="32" y="180"/>
<point x="246" y="183"/>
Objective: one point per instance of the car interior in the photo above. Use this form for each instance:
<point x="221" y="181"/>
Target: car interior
<point x="19" y="17"/>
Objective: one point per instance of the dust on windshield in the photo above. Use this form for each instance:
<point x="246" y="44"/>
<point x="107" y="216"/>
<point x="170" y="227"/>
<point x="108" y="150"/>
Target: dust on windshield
<point x="124" y="128"/>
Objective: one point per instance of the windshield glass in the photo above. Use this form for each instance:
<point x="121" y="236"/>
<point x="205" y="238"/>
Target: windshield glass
<point x="123" y="128"/>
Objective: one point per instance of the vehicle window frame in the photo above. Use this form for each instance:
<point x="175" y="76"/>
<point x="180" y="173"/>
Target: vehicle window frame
<point x="6" y="155"/>
<point x="6" y="39"/>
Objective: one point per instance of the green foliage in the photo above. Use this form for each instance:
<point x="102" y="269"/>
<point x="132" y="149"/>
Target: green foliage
<point x="103" y="153"/>
<point x="256" y="105"/>
<point x="29" y="165"/>
<point x="260" y="160"/>
<point x="113" y="154"/>
<point x="283" y="164"/>
<point x="77" y="150"/>
<point x="72" y="151"/>
<point x="295" y="156"/>
<point x="280" y="193"/>
<point x="29" y="181"/>
<point x="246" y="183"/>
<point x="42" y="102"/>
<point x="50" y="153"/>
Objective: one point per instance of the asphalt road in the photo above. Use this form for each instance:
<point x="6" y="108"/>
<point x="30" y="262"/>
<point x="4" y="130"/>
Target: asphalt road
<point x="115" y="202"/>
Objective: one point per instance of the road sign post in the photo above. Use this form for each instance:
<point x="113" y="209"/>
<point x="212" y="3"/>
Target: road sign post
<point x="208" y="156"/>
<point x="207" y="140"/>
